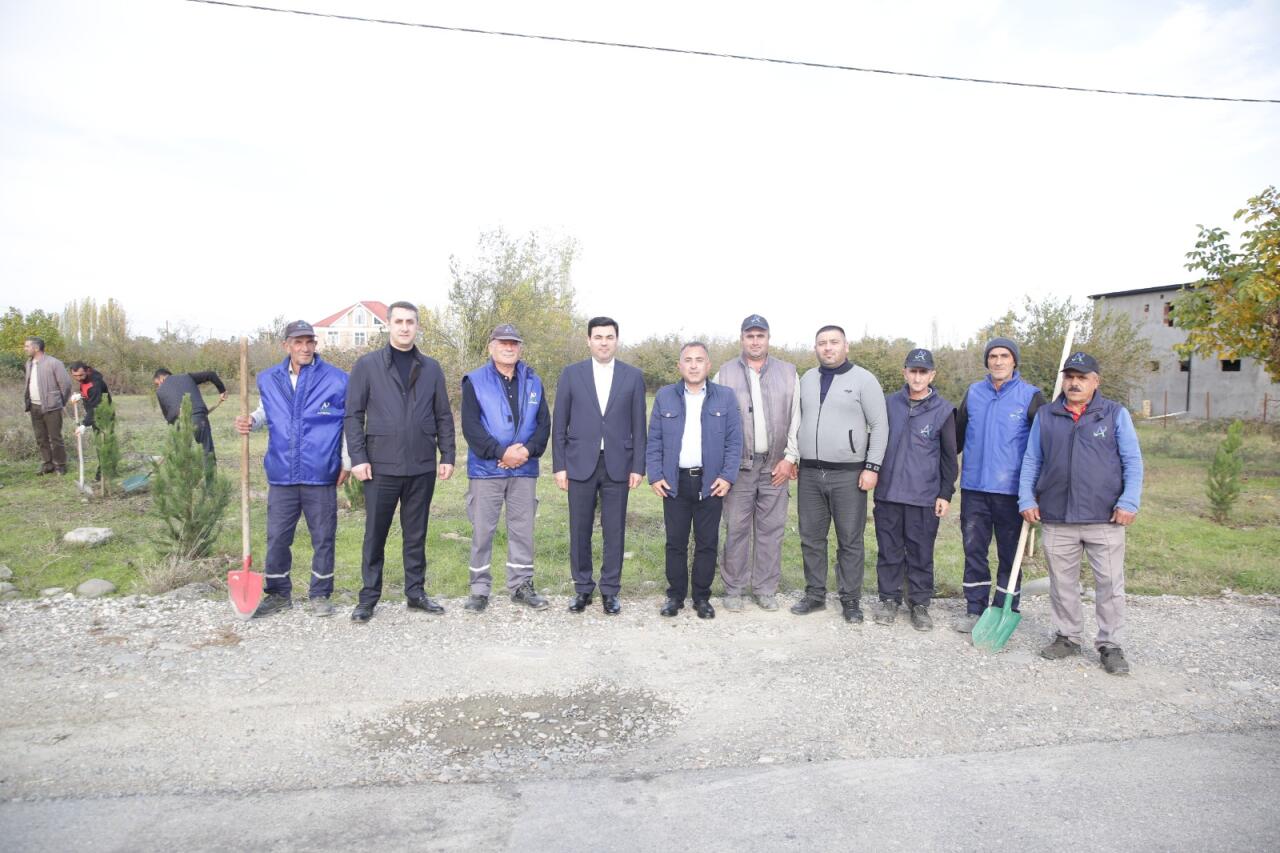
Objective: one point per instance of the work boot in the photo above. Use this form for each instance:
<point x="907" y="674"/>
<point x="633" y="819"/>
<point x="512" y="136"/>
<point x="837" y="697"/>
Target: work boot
<point x="477" y="603"/>
<point x="964" y="624"/>
<point x="1113" y="660"/>
<point x="851" y="610"/>
<point x="1061" y="647"/>
<point x="809" y="604"/>
<point x="733" y="603"/>
<point x="272" y="603"/>
<point x="920" y="619"/>
<point x="767" y="602"/>
<point x="426" y="605"/>
<point x="526" y="595"/>
<point x="886" y="613"/>
<point x="362" y="613"/>
<point x="321" y="606"/>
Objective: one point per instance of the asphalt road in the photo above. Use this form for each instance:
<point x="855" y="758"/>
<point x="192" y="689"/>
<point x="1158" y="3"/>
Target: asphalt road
<point x="1197" y="792"/>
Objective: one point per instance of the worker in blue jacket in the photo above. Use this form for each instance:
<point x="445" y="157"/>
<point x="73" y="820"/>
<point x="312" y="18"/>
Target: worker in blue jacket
<point x="1082" y="481"/>
<point x="692" y="458"/>
<point x="992" y="424"/>
<point x="303" y="401"/>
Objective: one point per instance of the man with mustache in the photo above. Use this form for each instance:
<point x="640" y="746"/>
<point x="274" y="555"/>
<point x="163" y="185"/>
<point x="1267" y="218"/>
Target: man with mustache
<point x="1082" y="481"/>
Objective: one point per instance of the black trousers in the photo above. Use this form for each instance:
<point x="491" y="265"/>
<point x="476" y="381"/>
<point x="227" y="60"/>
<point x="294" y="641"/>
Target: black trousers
<point x="203" y="432"/>
<point x="981" y="514"/>
<point x="904" y="542"/>
<point x="688" y="509"/>
<point x="381" y="495"/>
<point x="611" y="496"/>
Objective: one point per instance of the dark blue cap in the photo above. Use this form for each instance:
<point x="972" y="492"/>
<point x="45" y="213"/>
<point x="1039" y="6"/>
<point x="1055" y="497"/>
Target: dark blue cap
<point x="505" y="332"/>
<point x="1081" y="362"/>
<point x="299" y="329"/>
<point x="755" y="321"/>
<point x="919" y="358"/>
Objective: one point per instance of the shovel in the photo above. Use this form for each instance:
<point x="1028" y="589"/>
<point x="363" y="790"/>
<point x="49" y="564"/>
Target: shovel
<point x="997" y="624"/>
<point x="244" y="585"/>
<point x="75" y="411"/>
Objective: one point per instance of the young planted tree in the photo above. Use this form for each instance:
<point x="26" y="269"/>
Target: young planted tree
<point x="107" y="444"/>
<point x="188" y="494"/>
<point x="1224" y="473"/>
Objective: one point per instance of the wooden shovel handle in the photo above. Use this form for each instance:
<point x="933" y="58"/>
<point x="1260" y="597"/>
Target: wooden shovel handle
<point x="244" y="451"/>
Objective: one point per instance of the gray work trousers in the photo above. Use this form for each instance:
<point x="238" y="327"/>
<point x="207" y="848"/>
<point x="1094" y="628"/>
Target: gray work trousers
<point x="48" y="429"/>
<point x="1104" y="543"/>
<point x="755" y="515"/>
<point x="822" y="497"/>
<point x="485" y="499"/>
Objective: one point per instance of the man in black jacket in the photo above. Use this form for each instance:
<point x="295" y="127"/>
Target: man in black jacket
<point x="397" y="420"/>
<point x="90" y="389"/>
<point x="171" y="388"/>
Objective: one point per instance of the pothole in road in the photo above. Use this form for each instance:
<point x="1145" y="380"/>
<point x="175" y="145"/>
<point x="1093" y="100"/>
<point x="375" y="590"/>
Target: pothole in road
<point x="489" y="734"/>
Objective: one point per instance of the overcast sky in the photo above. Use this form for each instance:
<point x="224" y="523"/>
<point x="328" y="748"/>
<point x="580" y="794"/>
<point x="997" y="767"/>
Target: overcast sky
<point x="220" y="167"/>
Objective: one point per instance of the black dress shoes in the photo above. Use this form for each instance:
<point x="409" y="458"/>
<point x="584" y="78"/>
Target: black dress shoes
<point x="362" y="613"/>
<point x="704" y="609"/>
<point x="580" y="602"/>
<point x="426" y="605"/>
<point x="611" y="605"/>
<point x="808" y="604"/>
<point x="672" y="607"/>
<point x="852" y="612"/>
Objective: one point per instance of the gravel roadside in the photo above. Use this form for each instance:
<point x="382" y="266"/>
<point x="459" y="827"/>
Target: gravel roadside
<point x="172" y="694"/>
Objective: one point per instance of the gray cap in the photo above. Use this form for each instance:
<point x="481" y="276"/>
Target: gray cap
<point x="505" y="332"/>
<point x="299" y="329"/>
<point x="755" y="321"/>
<point x="919" y="358"/>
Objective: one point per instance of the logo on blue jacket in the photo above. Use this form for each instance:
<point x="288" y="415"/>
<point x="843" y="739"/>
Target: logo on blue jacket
<point x="1100" y="432"/>
<point x="324" y="408"/>
<point x="926" y="430"/>
<point x="1015" y="414"/>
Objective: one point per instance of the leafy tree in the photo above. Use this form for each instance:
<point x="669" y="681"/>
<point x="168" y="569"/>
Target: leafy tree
<point x="84" y="321"/>
<point x="1233" y="311"/>
<point x="107" y="443"/>
<point x="188" y="494"/>
<point x="1223" y="487"/>
<point x="16" y="328"/>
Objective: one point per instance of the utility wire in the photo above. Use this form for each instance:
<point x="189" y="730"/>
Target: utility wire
<point x="738" y="56"/>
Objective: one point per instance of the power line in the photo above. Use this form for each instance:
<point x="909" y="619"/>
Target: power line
<point x="738" y="56"/>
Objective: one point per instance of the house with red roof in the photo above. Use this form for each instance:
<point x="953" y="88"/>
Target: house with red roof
<point x="354" y="327"/>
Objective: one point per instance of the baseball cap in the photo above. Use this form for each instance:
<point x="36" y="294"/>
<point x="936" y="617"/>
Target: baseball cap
<point x="299" y="329"/>
<point x="919" y="358"/>
<point x="1081" y="362"/>
<point x="755" y="321"/>
<point x="505" y="332"/>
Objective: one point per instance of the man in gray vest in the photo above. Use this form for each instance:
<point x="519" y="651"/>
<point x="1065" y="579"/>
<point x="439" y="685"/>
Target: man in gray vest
<point x="844" y="429"/>
<point x="755" y="510"/>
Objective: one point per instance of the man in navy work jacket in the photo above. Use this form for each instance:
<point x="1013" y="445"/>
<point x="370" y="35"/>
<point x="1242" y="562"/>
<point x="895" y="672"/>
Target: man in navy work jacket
<point x="302" y="403"/>
<point x="917" y="481"/>
<point x="693" y="455"/>
<point x="1082" y="480"/>
<point x="507" y="425"/>
<point x="172" y="387"/>
<point x="992" y="424"/>
<point x="597" y="453"/>
<point x="398" y="420"/>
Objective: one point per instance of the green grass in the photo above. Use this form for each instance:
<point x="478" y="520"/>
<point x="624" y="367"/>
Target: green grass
<point x="1173" y="548"/>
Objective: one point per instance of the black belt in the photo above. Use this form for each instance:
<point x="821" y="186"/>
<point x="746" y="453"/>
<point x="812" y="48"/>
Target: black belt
<point x="692" y="472"/>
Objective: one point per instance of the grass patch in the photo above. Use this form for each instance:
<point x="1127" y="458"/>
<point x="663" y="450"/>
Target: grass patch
<point x="1173" y="548"/>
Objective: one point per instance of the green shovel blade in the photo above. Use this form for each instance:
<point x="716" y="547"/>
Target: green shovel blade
<point x="996" y="626"/>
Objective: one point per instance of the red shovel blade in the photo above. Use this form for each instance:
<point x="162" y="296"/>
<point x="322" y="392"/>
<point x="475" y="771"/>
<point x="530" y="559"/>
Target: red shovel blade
<point x="245" y="588"/>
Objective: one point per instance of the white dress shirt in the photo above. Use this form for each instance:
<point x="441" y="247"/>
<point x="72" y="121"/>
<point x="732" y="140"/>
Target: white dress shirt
<point x="691" y="442"/>
<point x="603" y="374"/>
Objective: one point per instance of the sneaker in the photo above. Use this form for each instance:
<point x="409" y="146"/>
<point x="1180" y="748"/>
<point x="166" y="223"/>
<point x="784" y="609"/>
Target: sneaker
<point x="920" y="619"/>
<point x="964" y="624"/>
<point x="852" y="611"/>
<point x="1113" y="660"/>
<point x="477" y="603"/>
<point x="321" y="606"/>
<point x="272" y="603"/>
<point x="767" y="602"/>
<point x="1060" y="648"/>
<point x="525" y="594"/>
<point x="808" y="604"/>
<point x="886" y="613"/>
<point x="733" y="603"/>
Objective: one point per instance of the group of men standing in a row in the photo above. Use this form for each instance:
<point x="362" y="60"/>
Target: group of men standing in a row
<point x="726" y="445"/>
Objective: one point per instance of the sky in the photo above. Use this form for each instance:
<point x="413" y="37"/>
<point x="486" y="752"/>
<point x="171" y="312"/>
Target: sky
<point x="215" y="168"/>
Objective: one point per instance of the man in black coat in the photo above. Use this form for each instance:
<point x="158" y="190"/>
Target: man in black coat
<point x="597" y="452"/>
<point x="172" y="387"/>
<point x="398" y="420"/>
<point x="90" y="389"/>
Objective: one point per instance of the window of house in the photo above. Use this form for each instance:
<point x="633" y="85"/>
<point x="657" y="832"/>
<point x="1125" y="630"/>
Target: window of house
<point x="1168" y="314"/>
<point x="376" y="320"/>
<point x="1230" y="365"/>
<point x="357" y="318"/>
<point x="359" y="339"/>
<point x="1146" y="309"/>
<point x="331" y="339"/>
<point x="1155" y="366"/>
<point x="1184" y="366"/>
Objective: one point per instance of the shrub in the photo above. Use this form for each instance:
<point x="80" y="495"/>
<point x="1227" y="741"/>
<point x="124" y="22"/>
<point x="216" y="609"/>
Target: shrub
<point x="107" y="443"/>
<point x="189" y="495"/>
<point x="1224" y="473"/>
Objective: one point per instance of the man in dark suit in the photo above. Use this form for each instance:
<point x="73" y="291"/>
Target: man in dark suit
<point x="397" y="420"/>
<point x="597" y="452"/>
